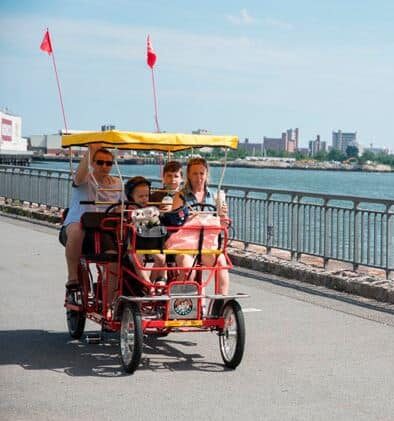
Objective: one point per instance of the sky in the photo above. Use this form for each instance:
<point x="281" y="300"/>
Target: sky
<point x="251" y="68"/>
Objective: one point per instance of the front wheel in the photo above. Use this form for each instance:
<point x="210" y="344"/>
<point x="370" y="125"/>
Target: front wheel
<point x="131" y="339"/>
<point x="232" y="337"/>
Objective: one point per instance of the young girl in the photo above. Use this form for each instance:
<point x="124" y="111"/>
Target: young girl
<point x="137" y="190"/>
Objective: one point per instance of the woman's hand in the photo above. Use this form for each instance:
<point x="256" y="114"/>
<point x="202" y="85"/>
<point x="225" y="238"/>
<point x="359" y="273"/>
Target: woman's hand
<point x="223" y="211"/>
<point x="165" y="207"/>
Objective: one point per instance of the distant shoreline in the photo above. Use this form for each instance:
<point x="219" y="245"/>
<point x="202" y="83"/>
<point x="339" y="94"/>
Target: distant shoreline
<point x="325" y="166"/>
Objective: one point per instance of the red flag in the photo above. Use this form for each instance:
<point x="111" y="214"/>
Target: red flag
<point x="46" y="44"/>
<point x="150" y="55"/>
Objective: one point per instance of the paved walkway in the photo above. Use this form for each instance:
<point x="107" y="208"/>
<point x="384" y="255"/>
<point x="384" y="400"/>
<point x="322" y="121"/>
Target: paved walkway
<point x="310" y="354"/>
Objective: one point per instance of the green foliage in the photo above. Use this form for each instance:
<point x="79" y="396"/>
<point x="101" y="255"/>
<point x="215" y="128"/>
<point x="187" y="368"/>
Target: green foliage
<point x="367" y="156"/>
<point x="321" y="156"/>
<point x="352" y="151"/>
<point x="336" y="155"/>
<point x="300" y="156"/>
<point x="385" y="159"/>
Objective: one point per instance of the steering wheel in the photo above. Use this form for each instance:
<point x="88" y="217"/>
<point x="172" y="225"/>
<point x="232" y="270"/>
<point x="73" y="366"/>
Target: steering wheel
<point x="126" y="203"/>
<point x="202" y="206"/>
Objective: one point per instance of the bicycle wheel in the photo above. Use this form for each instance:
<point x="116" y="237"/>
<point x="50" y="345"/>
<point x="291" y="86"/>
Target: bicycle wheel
<point x="232" y="337"/>
<point x="131" y="339"/>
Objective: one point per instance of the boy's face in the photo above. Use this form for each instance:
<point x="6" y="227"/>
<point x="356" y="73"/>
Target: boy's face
<point x="172" y="180"/>
<point x="141" y="195"/>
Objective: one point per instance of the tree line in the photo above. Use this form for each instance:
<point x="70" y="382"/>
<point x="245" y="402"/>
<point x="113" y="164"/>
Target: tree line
<point x="332" y="155"/>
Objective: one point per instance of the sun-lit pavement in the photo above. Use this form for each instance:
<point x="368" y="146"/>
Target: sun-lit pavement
<point x="307" y="356"/>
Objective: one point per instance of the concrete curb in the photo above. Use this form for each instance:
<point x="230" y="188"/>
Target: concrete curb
<point x="363" y="285"/>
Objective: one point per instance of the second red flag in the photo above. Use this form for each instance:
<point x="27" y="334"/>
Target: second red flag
<point x="46" y="44"/>
<point x="150" y="54"/>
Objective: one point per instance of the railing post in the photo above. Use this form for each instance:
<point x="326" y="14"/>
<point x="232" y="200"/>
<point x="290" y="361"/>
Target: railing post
<point x="356" y="243"/>
<point x="388" y="241"/>
<point x="244" y="223"/>
<point x="294" y="254"/>
<point x="325" y="234"/>
<point x="270" y="226"/>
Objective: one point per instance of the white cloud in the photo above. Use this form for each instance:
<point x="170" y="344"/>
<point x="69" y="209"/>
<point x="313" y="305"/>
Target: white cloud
<point x="279" y="24"/>
<point x="244" y="18"/>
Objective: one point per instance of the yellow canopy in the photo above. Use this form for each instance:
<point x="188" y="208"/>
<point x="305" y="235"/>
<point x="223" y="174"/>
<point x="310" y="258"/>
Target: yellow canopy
<point x="171" y="142"/>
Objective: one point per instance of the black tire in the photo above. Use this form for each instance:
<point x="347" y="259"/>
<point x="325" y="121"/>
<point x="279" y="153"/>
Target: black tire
<point x="131" y="338"/>
<point x="232" y="337"/>
<point x="75" y="323"/>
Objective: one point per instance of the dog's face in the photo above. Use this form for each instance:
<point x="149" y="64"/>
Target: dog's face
<point x="145" y="216"/>
<point x="137" y="215"/>
<point x="151" y="212"/>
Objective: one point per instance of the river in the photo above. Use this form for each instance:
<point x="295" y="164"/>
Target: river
<point x="364" y="184"/>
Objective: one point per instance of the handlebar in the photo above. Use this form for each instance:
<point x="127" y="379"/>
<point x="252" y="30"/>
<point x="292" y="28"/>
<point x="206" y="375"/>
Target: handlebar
<point x="111" y="205"/>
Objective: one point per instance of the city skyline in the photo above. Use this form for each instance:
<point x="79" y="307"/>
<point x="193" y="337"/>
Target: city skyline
<point x="251" y="70"/>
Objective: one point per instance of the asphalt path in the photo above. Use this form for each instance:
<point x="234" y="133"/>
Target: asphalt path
<point x="311" y="354"/>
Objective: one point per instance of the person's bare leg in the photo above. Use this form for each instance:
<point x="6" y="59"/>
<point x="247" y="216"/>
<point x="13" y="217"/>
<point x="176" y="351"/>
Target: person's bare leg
<point x="145" y="274"/>
<point x="224" y="277"/>
<point x="185" y="261"/>
<point x="75" y="236"/>
<point x="159" y="261"/>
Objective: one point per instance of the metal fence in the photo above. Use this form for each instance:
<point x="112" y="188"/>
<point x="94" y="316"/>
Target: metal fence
<point x="347" y="228"/>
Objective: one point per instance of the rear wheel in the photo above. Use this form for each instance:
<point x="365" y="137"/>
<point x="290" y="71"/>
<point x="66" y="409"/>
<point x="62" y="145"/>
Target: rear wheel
<point x="75" y="319"/>
<point x="131" y="339"/>
<point x="232" y="337"/>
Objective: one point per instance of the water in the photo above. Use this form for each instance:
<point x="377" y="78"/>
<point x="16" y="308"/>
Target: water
<point x="370" y="185"/>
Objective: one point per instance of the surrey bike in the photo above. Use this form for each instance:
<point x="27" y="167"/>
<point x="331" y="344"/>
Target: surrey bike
<point x="190" y="300"/>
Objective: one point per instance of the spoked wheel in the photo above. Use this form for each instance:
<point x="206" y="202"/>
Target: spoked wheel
<point x="232" y="337"/>
<point x="131" y="340"/>
<point x="75" y="319"/>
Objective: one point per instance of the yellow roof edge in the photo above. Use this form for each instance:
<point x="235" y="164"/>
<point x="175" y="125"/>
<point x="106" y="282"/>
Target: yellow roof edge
<point x="149" y="141"/>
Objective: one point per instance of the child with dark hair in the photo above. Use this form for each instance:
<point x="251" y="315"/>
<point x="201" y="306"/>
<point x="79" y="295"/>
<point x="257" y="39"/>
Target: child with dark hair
<point x="137" y="190"/>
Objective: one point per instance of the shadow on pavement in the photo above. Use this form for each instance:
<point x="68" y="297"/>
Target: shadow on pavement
<point x="45" y="350"/>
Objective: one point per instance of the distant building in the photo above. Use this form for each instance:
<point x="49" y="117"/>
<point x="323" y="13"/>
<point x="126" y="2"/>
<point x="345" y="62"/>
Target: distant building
<point x="253" y="148"/>
<point x="274" y="144"/>
<point x="316" y="146"/>
<point x="11" y="133"/>
<point x="51" y="144"/>
<point x="13" y="147"/>
<point x="304" y="151"/>
<point x="292" y="139"/>
<point x="200" y="131"/>
<point x="287" y="143"/>
<point x="341" y="140"/>
<point x="376" y="151"/>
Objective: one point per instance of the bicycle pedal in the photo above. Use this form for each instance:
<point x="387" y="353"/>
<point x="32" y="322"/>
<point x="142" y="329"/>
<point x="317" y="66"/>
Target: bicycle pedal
<point x="93" y="338"/>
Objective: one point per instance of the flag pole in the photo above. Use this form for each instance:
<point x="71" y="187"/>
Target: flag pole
<point x="60" y="92"/>
<point x="155" y="101"/>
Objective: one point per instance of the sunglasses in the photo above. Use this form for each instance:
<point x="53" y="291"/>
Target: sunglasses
<point x="102" y="162"/>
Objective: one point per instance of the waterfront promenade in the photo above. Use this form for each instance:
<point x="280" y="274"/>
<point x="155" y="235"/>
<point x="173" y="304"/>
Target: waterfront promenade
<point x="310" y="353"/>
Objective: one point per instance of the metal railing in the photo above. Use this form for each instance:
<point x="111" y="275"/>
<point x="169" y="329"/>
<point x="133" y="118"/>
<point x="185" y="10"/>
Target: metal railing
<point x="351" y="229"/>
